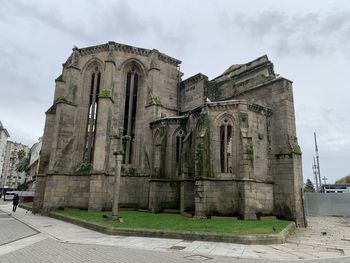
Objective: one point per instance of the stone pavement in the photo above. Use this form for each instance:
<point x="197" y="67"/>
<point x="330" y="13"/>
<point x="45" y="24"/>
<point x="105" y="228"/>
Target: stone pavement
<point x="326" y="237"/>
<point x="12" y="229"/>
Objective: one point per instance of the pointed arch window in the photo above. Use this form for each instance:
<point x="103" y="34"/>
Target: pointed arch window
<point x="178" y="149"/>
<point x="225" y="146"/>
<point x="157" y="151"/>
<point x="131" y="91"/>
<point x="95" y="80"/>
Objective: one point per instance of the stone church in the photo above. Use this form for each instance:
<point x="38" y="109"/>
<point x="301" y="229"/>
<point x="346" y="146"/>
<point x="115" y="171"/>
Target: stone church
<point x="225" y="146"/>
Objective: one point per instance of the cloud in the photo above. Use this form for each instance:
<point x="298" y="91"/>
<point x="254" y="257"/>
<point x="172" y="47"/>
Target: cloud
<point x="116" y="20"/>
<point x="311" y="34"/>
<point x="47" y="16"/>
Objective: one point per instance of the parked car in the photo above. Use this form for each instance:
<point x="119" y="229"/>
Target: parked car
<point x="9" y="196"/>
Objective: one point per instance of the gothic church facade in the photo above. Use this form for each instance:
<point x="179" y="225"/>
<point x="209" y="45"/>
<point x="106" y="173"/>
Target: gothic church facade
<point x="225" y="146"/>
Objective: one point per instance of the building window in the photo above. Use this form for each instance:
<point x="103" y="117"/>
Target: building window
<point x="225" y="146"/>
<point x="131" y="90"/>
<point x="92" y="115"/>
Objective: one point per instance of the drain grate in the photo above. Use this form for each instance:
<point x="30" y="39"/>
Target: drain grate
<point x="197" y="258"/>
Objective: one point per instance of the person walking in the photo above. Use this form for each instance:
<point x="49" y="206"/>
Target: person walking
<point x="15" y="202"/>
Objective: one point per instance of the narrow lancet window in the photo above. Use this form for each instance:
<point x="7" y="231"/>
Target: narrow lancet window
<point x="92" y="115"/>
<point x="131" y="90"/>
<point x="178" y="149"/>
<point x="225" y="145"/>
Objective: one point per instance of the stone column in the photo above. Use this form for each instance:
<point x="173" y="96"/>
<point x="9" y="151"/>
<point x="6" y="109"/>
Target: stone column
<point x="102" y="138"/>
<point x="105" y="105"/>
<point x="118" y="160"/>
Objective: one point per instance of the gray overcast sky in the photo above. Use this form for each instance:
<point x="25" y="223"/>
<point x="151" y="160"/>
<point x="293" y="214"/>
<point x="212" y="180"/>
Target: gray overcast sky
<point x="308" y="42"/>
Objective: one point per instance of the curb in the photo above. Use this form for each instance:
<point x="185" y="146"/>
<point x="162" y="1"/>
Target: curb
<point x="268" y="239"/>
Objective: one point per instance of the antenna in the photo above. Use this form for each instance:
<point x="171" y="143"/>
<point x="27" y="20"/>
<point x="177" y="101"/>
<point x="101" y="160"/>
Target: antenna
<point x="314" y="170"/>
<point x="317" y="162"/>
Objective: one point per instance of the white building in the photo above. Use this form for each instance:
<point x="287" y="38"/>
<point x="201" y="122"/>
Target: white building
<point x="14" y="153"/>
<point x="33" y="164"/>
<point x="334" y="188"/>
<point x="3" y="139"/>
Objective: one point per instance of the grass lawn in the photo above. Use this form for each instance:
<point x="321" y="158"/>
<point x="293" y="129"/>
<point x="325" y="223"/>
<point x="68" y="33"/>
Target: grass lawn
<point x="176" y="223"/>
<point x="26" y="205"/>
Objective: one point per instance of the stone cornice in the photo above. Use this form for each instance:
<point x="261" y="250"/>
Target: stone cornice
<point x="123" y="48"/>
<point x="247" y="67"/>
<point x="234" y="180"/>
<point x="168" y="121"/>
<point x="192" y="80"/>
<point x="234" y="104"/>
<point x="164" y="180"/>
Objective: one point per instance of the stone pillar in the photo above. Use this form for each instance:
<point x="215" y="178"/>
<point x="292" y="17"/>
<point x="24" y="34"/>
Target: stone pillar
<point x="248" y="200"/>
<point x="118" y="160"/>
<point x="287" y="166"/>
<point x="63" y="138"/>
<point x="102" y="136"/>
<point x="104" y="118"/>
<point x="199" y="198"/>
<point x="39" y="193"/>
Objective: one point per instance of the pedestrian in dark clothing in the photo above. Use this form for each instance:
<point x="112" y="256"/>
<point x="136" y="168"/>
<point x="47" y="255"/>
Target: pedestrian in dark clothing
<point x="15" y="202"/>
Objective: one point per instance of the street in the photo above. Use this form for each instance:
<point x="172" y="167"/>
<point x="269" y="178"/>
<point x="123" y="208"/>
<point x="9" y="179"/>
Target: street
<point x="25" y="237"/>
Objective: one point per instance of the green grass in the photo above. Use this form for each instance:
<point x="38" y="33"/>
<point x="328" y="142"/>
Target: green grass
<point x="176" y="223"/>
<point x="26" y="205"/>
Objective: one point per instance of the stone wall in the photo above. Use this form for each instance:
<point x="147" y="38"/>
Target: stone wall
<point x="192" y="92"/>
<point x="187" y="196"/>
<point x="133" y="192"/>
<point x="216" y="197"/>
<point x="94" y="192"/>
<point x="66" y="191"/>
<point x="164" y="194"/>
<point x="246" y="199"/>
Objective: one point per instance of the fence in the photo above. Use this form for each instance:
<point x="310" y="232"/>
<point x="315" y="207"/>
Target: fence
<point x="327" y="204"/>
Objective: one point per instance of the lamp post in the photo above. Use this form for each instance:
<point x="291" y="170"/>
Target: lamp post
<point x="119" y="153"/>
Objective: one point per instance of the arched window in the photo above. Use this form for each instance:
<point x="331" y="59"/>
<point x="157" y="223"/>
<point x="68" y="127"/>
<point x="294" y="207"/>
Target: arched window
<point x="131" y="90"/>
<point x="225" y="146"/>
<point x="178" y="149"/>
<point x="92" y="115"/>
<point x="179" y="136"/>
<point x="157" y="151"/>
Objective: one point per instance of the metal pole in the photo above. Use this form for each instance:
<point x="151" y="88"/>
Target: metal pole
<point x="318" y="161"/>
<point x="325" y="179"/>
<point x="314" y="169"/>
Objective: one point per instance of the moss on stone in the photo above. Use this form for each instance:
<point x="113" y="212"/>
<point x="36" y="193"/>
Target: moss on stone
<point x="128" y="171"/>
<point x="202" y="151"/>
<point x="61" y="99"/>
<point x="83" y="169"/>
<point x="212" y="88"/>
<point x="296" y="149"/>
<point x="156" y="101"/>
<point x="105" y="93"/>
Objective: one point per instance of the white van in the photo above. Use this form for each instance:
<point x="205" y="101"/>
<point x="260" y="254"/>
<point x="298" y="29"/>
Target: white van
<point x="9" y="196"/>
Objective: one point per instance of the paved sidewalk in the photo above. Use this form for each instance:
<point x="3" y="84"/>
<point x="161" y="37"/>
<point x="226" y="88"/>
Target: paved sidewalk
<point x="12" y="230"/>
<point x="327" y="237"/>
